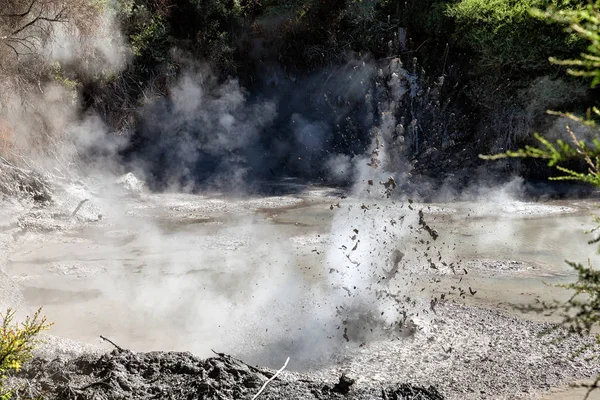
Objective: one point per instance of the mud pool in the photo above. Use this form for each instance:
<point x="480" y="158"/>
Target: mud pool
<point x="265" y="278"/>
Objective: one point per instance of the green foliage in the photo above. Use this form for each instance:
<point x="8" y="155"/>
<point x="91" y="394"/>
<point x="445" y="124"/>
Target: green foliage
<point x="57" y="74"/>
<point x="211" y="26"/>
<point x="584" y="22"/>
<point x="506" y="36"/>
<point x="285" y="9"/>
<point x="151" y="38"/>
<point x="585" y="300"/>
<point x="307" y="34"/>
<point x="560" y="152"/>
<point x="17" y="342"/>
<point x="148" y="34"/>
<point x="201" y="27"/>
<point x="554" y="153"/>
<point x="429" y="17"/>
<point x="581" y="312"/>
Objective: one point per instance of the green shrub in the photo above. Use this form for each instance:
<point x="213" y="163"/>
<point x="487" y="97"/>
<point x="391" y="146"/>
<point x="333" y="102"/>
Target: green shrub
<point x="17" y="342"/>
<point x="584" y="22"/>
<point x="506" y="36"/>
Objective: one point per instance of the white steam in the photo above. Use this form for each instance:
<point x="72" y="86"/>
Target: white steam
<point x="204" y="129"/>
<point x="239" y="284"/>
<point x="97" y="50"/>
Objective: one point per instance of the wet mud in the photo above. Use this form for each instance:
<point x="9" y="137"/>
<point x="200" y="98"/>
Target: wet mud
<point x="122" y="374"/>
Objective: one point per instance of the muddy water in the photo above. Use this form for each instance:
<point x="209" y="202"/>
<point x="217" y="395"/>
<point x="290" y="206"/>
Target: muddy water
<point x="514" y="252"/>
<point x="164" y="274"/>
<point x="84" y="278"/>
<point x="197" y="273"/>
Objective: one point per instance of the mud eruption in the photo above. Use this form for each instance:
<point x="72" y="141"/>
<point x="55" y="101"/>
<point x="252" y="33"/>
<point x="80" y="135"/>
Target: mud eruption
<point x="354" y="285"/>
<point x="202" y="221"/>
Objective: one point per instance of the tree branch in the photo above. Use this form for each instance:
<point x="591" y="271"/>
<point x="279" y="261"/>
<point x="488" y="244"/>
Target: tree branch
<point x="15" y="50"/>
<point x="22" y="42"/>
<point x="22" y="14"/>
<point x="270" y="379"/>
<point x="57" y="18"/>
<point x="27" y="25"/>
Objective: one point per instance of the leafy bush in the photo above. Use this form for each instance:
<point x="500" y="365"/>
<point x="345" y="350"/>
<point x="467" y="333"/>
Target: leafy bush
<point x="17" y="342"/>
<point x="584" y="22"/>
<point x="507" y="36"/>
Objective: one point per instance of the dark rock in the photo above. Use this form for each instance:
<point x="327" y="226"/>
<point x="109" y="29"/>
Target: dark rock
<point x="343" y="386"/>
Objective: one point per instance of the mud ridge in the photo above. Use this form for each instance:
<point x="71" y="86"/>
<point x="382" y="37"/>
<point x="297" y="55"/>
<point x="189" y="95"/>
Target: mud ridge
<point x="123" y="374"/>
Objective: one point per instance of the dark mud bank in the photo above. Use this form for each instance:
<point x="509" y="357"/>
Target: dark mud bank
<point x="123" y="374"/>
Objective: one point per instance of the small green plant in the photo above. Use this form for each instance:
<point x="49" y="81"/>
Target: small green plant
<point x="57" y="74"/>
<point x="17" y="342"/>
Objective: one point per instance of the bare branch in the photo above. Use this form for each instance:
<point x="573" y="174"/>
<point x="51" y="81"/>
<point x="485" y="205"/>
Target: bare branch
<point x="58" y="18"/>
<point x="24" y="14"/>
<point x="15" y="50"/>
<point x="270" y="379"/>
<point x="102" y="337"/>
<point x="30" y="23"/>
<point x="22" y="43"/>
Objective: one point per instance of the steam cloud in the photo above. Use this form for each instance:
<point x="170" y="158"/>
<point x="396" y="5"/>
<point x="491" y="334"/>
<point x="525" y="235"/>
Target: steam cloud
<point x="341" y="124"/>
<point x="216" y="134"/>
<point x="206" y="131"/>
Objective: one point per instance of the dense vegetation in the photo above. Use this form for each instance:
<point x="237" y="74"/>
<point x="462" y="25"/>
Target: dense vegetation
<point x="498" y="40"/>
<point x="483" y="77"/>
<point x="492" y="57"/>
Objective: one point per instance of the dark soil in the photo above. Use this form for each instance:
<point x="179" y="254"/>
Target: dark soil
<point x="123" y="374"/>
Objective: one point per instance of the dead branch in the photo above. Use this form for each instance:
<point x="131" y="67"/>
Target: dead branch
<point x="15" y="50"/>
<point x="271" y="379"/>
<point x="24" y="14"/>
<point x="24" y="31"/>
<point x="97" y="383"/>
<point x="56" y="18"/>
<point x="113" y="343"/>
<point x="77" y="209"/>
<point x="237" y="360"/>
<point x="15" y="181"/>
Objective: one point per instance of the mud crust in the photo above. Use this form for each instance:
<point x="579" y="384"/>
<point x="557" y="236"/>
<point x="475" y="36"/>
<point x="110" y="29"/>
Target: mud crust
<point x="172" y="375"/>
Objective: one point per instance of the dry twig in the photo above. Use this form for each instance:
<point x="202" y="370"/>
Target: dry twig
<point x="113" y="343"/>
<point x="77" y="209"/>
<point x="271" y="379"/>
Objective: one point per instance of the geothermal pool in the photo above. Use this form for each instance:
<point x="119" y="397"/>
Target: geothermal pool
<point x="319" y="277"/>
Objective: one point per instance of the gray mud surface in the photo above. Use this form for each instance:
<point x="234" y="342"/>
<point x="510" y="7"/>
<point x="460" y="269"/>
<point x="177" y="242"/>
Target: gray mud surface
<point x="315" y="276"/>
<point x="122" y="374"/>
<point x="471" y="353"/>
